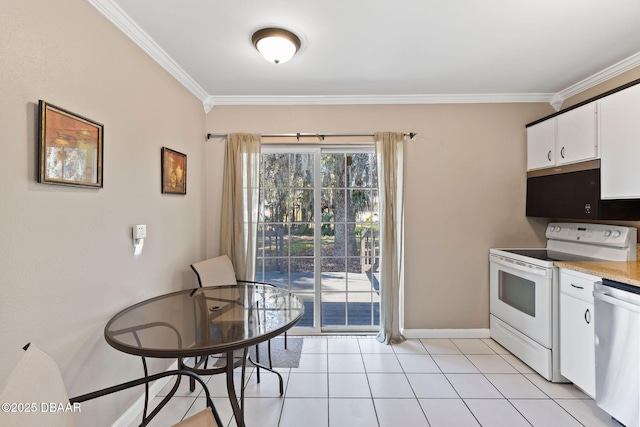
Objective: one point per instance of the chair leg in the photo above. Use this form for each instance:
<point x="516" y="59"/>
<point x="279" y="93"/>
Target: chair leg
<point x="285" y="340"/>
<point x="244" y="368"/>
<point x="269" y="368"/>
<point x="192" y="384"/>
<point x="257" y="361"/>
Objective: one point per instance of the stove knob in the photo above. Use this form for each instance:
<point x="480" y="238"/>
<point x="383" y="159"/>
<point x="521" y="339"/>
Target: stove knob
<point x="616" y="234"/>
<point x="558" y="228"/>
<point x="607" y="233"/>
<point x="552" y="228"/>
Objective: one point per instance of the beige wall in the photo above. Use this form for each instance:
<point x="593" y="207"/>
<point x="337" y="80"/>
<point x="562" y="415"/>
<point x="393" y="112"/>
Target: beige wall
<point x="465" y="174"/>
<point x="66" y="258"/>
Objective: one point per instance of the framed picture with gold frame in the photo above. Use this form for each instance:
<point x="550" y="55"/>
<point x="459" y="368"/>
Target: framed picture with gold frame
<point x="174" y="172"/>
<point x="70" y="148"/>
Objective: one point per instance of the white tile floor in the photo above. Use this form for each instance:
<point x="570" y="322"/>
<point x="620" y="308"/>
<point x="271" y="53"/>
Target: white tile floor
<point x="358" y="382"/>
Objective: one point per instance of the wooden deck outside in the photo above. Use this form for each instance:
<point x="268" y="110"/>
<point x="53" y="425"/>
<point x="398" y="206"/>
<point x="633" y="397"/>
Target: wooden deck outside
<point x="359" y="311"/>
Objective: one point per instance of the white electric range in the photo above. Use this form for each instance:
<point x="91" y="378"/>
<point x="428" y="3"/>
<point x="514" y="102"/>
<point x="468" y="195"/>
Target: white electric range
<point x="524" y="290"/>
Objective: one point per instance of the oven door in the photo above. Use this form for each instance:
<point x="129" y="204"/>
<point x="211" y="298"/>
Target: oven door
<point x="521" y="296"/>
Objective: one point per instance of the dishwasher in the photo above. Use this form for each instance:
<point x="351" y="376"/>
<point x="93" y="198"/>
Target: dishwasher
<point x="617" y="350"/>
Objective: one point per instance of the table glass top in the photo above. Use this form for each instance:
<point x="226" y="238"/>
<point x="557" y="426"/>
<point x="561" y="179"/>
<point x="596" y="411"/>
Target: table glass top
<point x="204" y="320"/>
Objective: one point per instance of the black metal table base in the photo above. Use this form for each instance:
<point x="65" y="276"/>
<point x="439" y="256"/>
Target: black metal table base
<point x="236" y="404"/>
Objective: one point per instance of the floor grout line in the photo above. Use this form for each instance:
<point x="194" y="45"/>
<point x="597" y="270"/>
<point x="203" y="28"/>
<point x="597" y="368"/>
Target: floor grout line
<point x="483" y="367"/>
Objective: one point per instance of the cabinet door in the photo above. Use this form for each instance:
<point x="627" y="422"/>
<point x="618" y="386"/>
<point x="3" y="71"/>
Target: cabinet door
<point x="541" y="144"/>
<point x="620" y="144"/>
<point x="577" y="345"/>
<point x="577" y="135"/>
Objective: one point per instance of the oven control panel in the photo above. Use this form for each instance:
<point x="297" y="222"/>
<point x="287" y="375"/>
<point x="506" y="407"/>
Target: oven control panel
<point x="603" y="234"/>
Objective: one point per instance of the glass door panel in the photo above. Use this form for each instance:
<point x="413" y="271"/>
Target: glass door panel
<point x="318" y="234"/>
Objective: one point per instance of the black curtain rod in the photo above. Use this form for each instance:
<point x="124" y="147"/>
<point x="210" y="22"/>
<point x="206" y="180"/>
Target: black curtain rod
<point x="319" y="136"/>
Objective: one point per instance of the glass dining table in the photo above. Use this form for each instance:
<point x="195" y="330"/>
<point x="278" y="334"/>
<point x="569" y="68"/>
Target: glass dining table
<point x="195" y="323"/>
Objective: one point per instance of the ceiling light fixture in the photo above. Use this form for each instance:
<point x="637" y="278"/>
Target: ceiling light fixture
<point x="275" y="44"/>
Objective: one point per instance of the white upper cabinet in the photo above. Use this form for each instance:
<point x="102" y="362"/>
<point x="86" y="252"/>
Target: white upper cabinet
<point x="541" y="145"/>
<point x="569" y="137"/>
<point x="577" y="135"/>
<point x="620" y="144"/>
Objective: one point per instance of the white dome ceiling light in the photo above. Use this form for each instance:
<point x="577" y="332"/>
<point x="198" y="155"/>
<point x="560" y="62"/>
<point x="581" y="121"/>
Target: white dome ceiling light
<point x="275" y="44"/>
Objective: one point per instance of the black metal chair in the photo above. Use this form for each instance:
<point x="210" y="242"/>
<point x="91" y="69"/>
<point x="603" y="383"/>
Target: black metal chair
<point x="219" y="271"/>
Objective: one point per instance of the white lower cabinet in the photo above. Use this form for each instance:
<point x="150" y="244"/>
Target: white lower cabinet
<point x="577" y="346"/>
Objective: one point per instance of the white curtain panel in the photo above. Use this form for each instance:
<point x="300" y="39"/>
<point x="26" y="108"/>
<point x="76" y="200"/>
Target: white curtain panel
<point x="390" y="157"/>
<point x="240" y="195"/>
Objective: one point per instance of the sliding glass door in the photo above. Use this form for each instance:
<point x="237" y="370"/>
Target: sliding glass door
<point x="318" y="233"/>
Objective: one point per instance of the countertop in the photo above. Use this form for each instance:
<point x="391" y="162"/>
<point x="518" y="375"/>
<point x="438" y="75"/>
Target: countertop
<point x="623" y="272"/>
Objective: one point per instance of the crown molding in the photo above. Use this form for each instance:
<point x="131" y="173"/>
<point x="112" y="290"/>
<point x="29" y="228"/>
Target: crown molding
<point x="124" y="22"/>
<point x="599" y="77"/>
<point x="208" y="104"/>
<point x="383" y="99"/>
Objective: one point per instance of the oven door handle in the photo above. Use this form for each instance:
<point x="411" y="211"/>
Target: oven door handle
<point x="519" y="265"/>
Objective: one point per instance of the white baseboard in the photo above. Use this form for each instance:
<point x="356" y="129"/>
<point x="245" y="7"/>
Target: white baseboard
<point x="446" y="333"/>
<point x="136" y="408"/>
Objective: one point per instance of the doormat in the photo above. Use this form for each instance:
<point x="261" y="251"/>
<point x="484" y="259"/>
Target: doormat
<point x="280" y="357"/>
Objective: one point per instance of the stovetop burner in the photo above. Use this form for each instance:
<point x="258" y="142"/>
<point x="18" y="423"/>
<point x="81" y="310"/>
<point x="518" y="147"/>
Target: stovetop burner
<point x="547" y="255"/>
<point x="541" y="254"/>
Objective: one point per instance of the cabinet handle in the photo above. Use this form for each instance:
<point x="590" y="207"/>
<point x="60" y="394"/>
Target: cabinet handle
<point x="587" y="316"/>
<point x="549" y="155"/>
<point x="562" y="152"/>
<point x="578" y="287"/>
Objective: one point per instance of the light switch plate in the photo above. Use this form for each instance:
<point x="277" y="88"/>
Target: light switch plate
<point x="140" y="231"/>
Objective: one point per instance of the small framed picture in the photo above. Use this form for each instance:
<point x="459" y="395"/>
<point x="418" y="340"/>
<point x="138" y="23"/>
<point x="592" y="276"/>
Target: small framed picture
<point x="174" y="172"/>
<point x="70" y="148"/>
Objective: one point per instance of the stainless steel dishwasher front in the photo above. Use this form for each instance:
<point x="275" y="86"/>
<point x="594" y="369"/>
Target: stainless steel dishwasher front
<point x="617" y="338"/>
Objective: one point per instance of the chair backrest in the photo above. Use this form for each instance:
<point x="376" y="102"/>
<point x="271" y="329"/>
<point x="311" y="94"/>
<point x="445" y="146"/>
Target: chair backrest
<point x="36" y="395"/>
<point x="36" y="380"/>
<point x="215" y="271"/>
